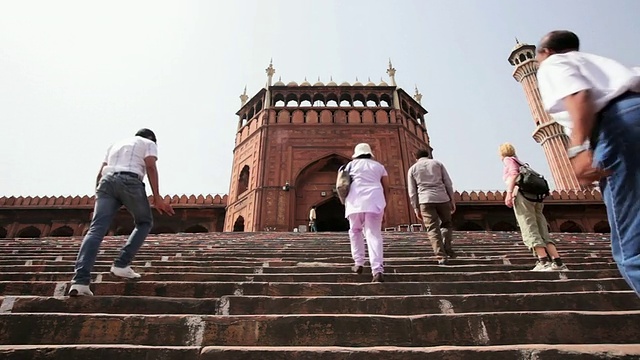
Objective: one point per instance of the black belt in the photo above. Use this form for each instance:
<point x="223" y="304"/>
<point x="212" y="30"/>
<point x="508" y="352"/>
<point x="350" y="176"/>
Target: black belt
<point x="127" y="173"/>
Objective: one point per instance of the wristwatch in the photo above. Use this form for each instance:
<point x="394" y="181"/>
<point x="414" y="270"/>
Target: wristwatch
<point x="575" y="150"/>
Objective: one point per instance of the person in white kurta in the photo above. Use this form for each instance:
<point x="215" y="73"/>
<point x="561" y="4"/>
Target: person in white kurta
<point x="364" y="207"/>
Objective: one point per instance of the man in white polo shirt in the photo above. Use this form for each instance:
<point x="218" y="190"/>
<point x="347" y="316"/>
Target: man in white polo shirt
<point x="602" y="99"/>
<point x="120" y="183"/>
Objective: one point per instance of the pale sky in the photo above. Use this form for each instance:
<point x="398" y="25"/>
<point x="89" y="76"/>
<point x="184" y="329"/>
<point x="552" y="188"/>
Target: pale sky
<point x="76" y="76"/>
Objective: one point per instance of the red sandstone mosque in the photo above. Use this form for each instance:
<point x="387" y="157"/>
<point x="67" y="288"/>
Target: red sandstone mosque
<point x="290" y="141"/>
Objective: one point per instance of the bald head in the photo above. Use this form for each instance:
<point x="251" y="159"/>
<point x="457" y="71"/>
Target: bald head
<point x="560" y="41"/>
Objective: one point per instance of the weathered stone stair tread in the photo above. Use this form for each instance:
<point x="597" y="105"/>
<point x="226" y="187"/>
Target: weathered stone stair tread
<point x="315" y="267"/>
<point x="511" y="352"/>
<point x="556" y="327"/>
<point x="217" y="289"/>
<point x="99" y="351"/>
<point x="137" y="352"/>
<point x="382" y="304"/>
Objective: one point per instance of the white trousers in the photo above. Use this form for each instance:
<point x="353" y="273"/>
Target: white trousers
<point x="367" y="225"/>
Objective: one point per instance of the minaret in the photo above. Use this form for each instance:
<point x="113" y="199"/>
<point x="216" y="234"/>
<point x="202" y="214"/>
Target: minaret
<point x="417" y="96"/>
<point x="392" y="76"/>
<point x="548" y="132"/>
<point x="244" y="97"/>
<point x="270" y="71"/>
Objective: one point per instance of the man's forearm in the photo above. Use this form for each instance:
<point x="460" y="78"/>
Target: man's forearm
<point x="581" y="110"/>
<point x="152" y="174"/>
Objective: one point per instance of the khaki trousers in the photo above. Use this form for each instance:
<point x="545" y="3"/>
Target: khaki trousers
<point x="437" y="222"/>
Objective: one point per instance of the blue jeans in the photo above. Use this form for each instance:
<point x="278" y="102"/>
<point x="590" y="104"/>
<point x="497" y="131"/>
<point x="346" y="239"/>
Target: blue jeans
<point x="113" y="192"/>
<point x="618" y="149"/>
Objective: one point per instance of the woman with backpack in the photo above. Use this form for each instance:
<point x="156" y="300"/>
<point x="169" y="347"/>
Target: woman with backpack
<point x="528" y="210"/>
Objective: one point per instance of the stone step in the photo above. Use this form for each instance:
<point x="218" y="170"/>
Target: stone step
<point x="323" y="330"/>
<point x="511" y="352"/>
<point x="136" y="352"/>
<point x="214" y="289"/>
<point x="277" y="262"/>
<point x="315" y="267"/>
<point x="340" y="275"/>
<point x="388" y="305"/>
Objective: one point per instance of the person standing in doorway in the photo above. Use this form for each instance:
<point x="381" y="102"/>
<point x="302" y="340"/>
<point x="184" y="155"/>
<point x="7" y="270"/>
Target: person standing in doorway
<point x="602" y="98"/>
<point x="528" y="212"/>
<point x="364" y="207"/>
<point x="432" y="198"/>
<point x="120" y="183"/>
<point x="312" y="220"/>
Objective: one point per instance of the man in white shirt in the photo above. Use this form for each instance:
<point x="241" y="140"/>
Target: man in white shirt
<point x="602" y="100"/>
<point x="120" y="183"/>
<point x="312" y="220"/>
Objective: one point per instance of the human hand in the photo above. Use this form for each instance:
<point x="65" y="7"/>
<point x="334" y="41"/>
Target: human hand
<point x="162" y="207"/>
<point x="586" y="174"/>
<point x="508" y="200"/>
<point x="418" y="214"/>
<point x="453" y="207"/>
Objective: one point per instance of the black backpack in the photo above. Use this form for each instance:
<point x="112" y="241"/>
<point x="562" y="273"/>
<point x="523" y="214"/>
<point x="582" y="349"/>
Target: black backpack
<point x="533" y="186"/>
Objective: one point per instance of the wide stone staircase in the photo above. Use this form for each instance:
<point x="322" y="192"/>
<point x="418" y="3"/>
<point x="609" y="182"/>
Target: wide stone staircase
<point x="292" y="296"/>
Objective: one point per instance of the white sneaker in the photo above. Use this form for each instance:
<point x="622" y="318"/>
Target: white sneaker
<point x="542" y="266"/>
<point x="125" y="272"/>
<point x="555" y="267"/>
<point x="80" y="290"/>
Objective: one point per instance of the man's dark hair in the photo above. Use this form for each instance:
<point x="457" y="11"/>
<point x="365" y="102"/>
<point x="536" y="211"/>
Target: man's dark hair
<point x="147" y="134"/>
<point x="560" y="41"/>
<point x="422" y="153"/>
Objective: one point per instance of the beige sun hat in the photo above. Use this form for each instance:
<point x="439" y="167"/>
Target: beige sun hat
<point x="362" y="149"/>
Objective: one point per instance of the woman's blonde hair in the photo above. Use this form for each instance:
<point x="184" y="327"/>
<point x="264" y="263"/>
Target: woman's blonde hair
<point x="507" y="149"/>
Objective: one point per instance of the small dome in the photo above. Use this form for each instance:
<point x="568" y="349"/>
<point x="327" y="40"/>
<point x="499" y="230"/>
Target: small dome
<point x="319" y="83"/>
<point x="332" y="83"/>
<point x="382" y="83"/>
<point x="370" y="83"/>
<point x="279" y="82"/>
<point x="357" y="83"/>
<point x="305" y="82"/>
<point x="292" y="83"/>
<point x="345" y="84"/>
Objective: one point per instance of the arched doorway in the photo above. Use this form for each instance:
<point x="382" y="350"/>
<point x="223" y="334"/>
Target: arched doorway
<point x="314" y="185"/>
<point x="330" y="216"/>
<point x="503" y="226"/>
<point x="62" y="231"/>
<point x="470" y="226"/>
<point x="3" y="233"/>
<point x="602" y="227"/>
<point x="29" y="232"/>
<point x="196" y="229"/>
<point x="570" y="227"/>
<point x="238" y="226"/>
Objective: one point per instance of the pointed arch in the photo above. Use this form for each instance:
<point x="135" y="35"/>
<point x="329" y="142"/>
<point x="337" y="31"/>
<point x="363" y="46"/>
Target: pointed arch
<point x="196" y="229"/>
<point x="570" y="227"/>
<point x="62" y="231"/>
<point x="602" y="227"/>
<point x="3" y="232"/>
<point x="238" y="225"/>
<point x="30" y="232"/>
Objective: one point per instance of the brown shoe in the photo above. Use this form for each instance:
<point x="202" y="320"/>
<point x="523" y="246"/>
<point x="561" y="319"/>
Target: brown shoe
<point x="378" y="278"/>
<point x="357" y="269"/>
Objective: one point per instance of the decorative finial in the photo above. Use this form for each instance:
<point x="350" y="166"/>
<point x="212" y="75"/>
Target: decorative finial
<point x="270" y="71"/>
<point x="416" y="85"/>
<point x="244" y="97"/>
<point x="517" y="41"/>
<point x="392" y="73"/>
<point x="305" y="78"/>
<point x="318" y="78"/>
<point x="368" y="78"/>
<point x="417" y="96"/>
